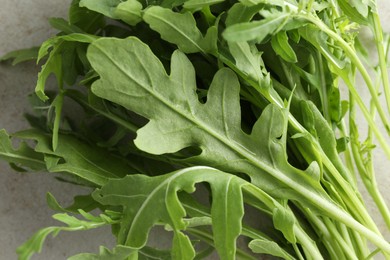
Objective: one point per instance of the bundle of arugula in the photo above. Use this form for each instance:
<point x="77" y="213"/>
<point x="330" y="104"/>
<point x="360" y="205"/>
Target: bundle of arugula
<point x="196" y="114"/>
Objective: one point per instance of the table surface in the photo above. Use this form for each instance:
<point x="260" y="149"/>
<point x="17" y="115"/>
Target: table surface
<point x="23" y="208"/>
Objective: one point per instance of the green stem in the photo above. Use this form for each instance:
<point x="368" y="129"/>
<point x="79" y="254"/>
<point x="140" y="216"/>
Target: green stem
<point x="348" y="154"/>
<point x="345" y="235"/>
<point x="379" y="201"/>
<point x="366" y="171"/>
<point x="336" y="235"/>
<point x="323" y="233"/>
<point x="307" y="243"/>
<point x="351" y="54"/>
<point x="332" y="210"/>
<point x="378" y="35"/>
<point x="382" y="141"/>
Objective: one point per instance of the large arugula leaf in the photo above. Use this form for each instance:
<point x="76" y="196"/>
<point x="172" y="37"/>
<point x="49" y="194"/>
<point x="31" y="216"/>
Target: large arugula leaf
<point x="154" y="199"/>
<point x="179" y="120"/>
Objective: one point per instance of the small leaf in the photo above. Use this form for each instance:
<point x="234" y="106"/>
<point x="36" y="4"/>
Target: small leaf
<point x="180" y="29"/>
<point x="23" y="55"/>
<point x="78" y="158"/>
<point x="64" y="26"/>
<point x="129" y="12"/>
<point x="83" y="202"/>
<point x="240" y="13"/>
<point x="35" y="243"/>
<point x="105" y="7"/>
<point x="22" y="157"/>
<point x="259" y="2"/>
<point x="257" y="30"/>
<point x="281" y="46"/>
<point x="198" y="4"/>
<point x="284" y="221"/>
<point x="85" y="19"/>
<point x="119" y="252"/>
<point x="263" y="246"/>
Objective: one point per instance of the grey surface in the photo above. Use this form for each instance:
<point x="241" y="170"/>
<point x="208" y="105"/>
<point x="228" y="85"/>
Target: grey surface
<point x="23" y="210"/>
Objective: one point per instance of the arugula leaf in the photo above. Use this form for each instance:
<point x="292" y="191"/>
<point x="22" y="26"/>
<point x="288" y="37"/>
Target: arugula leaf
<point x="181" y="29"/>
<point x="158" y="195"/>
<point x="129" y="11"/>
<point x="89" y="162"/>
<point x="85" y="19"/>
<point x="177" y="115"/>
<point x="256" y="30"/>
<point x="23" y="55"/>
<point x="84" y="202"/>
<point x="268" y="247"/>
<point x="105" y="7"/>
<point x="23" y="156"/>
<point x="35" y="243"/>
<point x="119" y="252"/>
<point x="282" y="47"/>
<point x="240" y="13"/>
<point x="271" y="118"/>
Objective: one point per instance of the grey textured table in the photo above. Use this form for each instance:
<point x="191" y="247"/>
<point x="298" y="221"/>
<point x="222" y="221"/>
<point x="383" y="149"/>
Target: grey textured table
<point x="23" y="210"/>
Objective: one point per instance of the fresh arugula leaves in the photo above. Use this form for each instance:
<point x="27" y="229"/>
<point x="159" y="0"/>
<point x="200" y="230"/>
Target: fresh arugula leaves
<point x="237" y="102"/>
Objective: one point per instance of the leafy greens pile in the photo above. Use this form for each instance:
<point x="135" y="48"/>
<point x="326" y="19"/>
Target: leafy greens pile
<point x="193" y="115"/>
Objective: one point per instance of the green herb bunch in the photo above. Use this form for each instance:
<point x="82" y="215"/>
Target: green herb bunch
<point x="221" y="121"/>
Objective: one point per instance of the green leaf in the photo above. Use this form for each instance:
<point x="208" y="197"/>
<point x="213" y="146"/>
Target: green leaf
<point x="119" y="252"/>
<point x="105" y="7"/>
<point x="23" y="156"/>
<point x="129" y="12"/>
<point x="320" y="40"/>
<point x="23" y="55"/>
<point x="263" y="246"/>
<point x="248" y="60"/>
<point x="54" y="64"/>
<point x="152" y="200"/>
<point x="64" y="26"/>
<point x="259" y="2"/>
<point x="83" y="202"/>
<point x="149" y="253"/>
<point x="180" y="29"/>
<point x="284" y="221"/>
<point x="78" y="158"/>
<point x="199" y="4"/>
<point x="226" y="213"/>
<point x="240" y="13"/>
<point x="256" y="30"/>
<point x="326" y="137"/>
<point x="353" y="13"/>
<point x="281" y="46"/>
<point x="35" y="243"/>
<point x="57" y="40"/>
<point x="88" y="21"/>
<point x="178" y="120"/>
